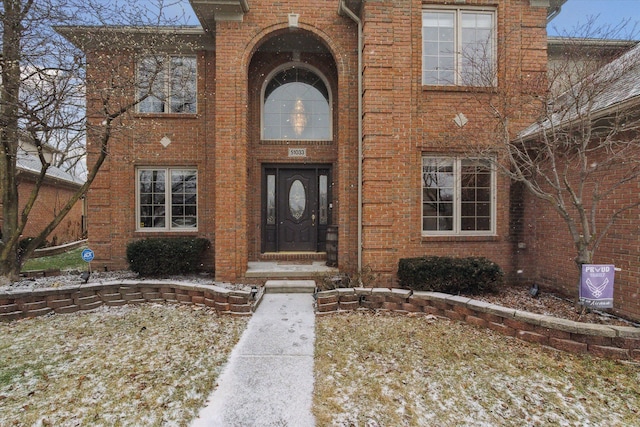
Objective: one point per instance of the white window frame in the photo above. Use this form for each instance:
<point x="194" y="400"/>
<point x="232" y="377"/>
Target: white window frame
<point x="164" y="73"/>
<point x="458" y="50"/>
<point x="457" y="197"/>
<point x="168" y="205"/>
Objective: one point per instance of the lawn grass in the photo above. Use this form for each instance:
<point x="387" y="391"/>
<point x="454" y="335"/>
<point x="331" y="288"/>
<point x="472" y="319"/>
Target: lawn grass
<point x="394" y="370"/>
<point x="147" y="365"/>
<point x="70" y="260"/>
<point x="156" y="364"/>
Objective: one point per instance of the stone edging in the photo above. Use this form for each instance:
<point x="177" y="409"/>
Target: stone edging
<point x="19" y="304"/>
<point x="614" y="342"/>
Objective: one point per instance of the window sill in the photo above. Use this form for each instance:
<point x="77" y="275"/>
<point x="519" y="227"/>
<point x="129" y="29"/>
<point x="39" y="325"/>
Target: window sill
<point x="455" y="88"/>
<point x="159" y="232"/>
<point x="459" y="238"/>
<point x="166" y="115"/>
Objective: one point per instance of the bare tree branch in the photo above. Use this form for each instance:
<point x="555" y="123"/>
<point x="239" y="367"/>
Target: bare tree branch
<point x="43" y="95"/>
<point x="584" y="149"/>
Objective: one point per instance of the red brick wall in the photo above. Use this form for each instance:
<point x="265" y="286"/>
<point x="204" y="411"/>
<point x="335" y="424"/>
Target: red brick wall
<point x="404" y="120"/>
<point x="401" y="121"/>
<point x="51" y="199"/>
<point x="549" y="257"/>
<point x="238" y="129"/>
<point x="135" y="142"/>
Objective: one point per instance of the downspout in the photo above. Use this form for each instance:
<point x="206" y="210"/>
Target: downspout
<point x="349" y="13"/>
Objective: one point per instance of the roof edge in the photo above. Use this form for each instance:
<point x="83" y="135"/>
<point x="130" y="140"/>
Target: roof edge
<point x="91" y="37"/>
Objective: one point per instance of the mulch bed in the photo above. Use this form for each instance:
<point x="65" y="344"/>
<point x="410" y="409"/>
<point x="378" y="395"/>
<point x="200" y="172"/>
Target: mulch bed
<point x="550" y="304"/>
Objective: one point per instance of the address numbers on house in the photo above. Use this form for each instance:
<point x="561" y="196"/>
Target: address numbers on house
<point x="297" y="152"/>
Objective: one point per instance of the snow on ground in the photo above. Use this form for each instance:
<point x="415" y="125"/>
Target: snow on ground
<point x="156" y="364"/>
<point x="74" y="278"/>
<point x="388" y="370"/>
<point x="133" y="365"/>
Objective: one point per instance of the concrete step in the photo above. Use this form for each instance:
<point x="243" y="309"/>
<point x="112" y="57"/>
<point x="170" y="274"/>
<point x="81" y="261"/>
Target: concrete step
<point x="289" y="286"/>
<point x="288" y="271"/>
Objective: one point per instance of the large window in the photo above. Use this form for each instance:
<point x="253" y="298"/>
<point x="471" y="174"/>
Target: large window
<point x="167" y="199"/>
<point x="167" y="84"/>
<point x="457" y="196"/>
<point x="296" y="106"/>
<point x="458" y="47"/>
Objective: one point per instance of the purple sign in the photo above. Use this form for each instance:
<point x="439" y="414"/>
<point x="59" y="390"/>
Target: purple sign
<point x="596" y="285"/>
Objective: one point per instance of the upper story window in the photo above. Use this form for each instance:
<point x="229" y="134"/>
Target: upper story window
<point x="296" y="106"/>
<point x="167" y="84"/>
<point x="458" y="196"/>
<point x="458" y="47"/>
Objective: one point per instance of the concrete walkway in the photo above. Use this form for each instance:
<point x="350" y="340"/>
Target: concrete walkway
<point x="268" y="380"/>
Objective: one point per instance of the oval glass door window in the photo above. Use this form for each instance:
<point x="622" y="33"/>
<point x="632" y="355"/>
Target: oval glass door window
<point x="297" y="199"/>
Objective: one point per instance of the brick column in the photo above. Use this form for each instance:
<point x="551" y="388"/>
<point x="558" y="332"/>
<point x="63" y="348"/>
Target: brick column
<point x="230" y="154"/>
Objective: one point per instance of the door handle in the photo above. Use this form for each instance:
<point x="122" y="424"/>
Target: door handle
<point x="313" y="220"/>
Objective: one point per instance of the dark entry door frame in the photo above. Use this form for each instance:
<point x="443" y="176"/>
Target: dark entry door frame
<point x="296" y="207"/>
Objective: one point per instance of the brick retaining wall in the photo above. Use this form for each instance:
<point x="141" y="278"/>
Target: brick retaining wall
<point x="18" y="304"/>
<point x="614" y="342"/>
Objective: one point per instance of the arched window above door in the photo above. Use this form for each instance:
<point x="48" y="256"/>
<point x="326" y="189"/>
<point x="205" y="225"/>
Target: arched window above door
<point x="296" y="106"/>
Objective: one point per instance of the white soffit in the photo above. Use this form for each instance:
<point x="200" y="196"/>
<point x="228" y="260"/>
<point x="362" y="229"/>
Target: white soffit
<point x="211" y="11"/>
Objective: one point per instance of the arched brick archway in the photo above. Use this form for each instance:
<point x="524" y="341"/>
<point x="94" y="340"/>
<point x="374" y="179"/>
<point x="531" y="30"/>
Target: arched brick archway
<point x="285" y="168"/>
<point x="245" y="55"/>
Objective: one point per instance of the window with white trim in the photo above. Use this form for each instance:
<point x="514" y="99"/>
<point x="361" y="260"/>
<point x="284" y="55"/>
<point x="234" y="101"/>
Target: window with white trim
<point x="167" y="84"/>
<point x="167" y="199"/>
<point x="458" y="196"/>
<point x="458" y="47"/>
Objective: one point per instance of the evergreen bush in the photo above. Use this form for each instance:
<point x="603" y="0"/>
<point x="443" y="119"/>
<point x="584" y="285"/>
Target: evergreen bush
<point x="166" y="256"/>
<point x="473" y="275"/>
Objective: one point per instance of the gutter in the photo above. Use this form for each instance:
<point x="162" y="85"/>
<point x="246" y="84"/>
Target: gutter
<point x="553" y="13"/>
<point x="343" y="9"/>
<point x="554" y="8"/>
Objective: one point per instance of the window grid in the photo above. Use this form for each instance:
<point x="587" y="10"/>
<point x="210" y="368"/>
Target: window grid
<point x="457" y="196"/>
<point x="167" y="84"/>
<point x="167" y="199"/>
<point x="458" y="47"/>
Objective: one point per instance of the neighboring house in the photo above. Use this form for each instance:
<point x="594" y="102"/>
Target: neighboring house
<point x="262" y="143"/>
<point x="56" y="189"/>
<point x="572" y="58"/>
<point x="611" y="111"/>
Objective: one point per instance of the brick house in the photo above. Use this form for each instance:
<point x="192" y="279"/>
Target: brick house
<point x="609" y="111"/>
<point x="288" y="122"/>
<point x="56" y="190"/>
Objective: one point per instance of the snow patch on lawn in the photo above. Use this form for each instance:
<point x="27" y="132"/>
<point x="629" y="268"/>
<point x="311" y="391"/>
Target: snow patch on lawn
<point x="390" y="370"/>
<point x="134" y="365"/>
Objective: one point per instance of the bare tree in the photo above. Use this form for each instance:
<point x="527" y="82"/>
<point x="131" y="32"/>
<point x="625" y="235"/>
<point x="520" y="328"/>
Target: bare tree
<point x="42" y="96"/>
<point x="583" y="151"/>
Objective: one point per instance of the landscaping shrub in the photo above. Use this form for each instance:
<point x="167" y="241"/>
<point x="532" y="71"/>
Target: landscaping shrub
<point x="450" y="275"/>
<point x="166" y="256"/>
